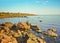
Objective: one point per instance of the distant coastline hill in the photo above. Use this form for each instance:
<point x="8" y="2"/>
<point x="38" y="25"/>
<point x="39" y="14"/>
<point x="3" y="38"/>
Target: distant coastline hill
<point x="11" y="15"/>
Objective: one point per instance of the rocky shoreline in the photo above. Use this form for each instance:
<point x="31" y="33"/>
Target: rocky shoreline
<point x="21" y="33"/>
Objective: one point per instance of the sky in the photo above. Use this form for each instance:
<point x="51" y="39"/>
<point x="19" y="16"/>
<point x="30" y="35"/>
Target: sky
<point x="42" y="7"/>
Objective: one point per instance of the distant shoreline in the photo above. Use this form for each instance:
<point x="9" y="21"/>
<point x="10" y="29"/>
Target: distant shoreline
<point x="11" y="15"/>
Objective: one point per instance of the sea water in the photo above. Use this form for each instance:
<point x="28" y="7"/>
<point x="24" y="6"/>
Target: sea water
<point x="43" y="21"/>
<point x="48" y="21"/>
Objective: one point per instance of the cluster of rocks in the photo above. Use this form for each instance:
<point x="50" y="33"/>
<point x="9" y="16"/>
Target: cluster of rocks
<point x="21" y="33"/>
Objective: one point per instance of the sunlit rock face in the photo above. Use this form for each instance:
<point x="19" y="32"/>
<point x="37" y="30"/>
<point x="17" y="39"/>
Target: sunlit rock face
<point x="23" y="26"/>
<point x="31" y="41"/>
<point x="34" y="40"/>
<point x="8" y="39"/>
<point x="21" y="33"/>
<point x="52" y="32"/>
<point x="35" y="28"/>
<point x="8" y="24"/>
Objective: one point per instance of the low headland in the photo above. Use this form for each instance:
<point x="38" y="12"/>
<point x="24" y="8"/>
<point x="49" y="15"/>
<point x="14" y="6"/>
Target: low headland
<point x="11" y="15"/>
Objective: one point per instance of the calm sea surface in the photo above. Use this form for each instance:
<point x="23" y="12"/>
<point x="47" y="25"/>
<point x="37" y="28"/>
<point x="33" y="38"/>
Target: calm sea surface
<point x="47" y="21"/>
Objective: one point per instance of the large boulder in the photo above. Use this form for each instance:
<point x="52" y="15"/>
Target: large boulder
<point x="52" y="33"/>
<point x="8" y="24"/>
<point x="35" y="28"/>
<point x="32" y="38"/>
<point x="23" y="26"/>
<point x="8" y="39"/>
